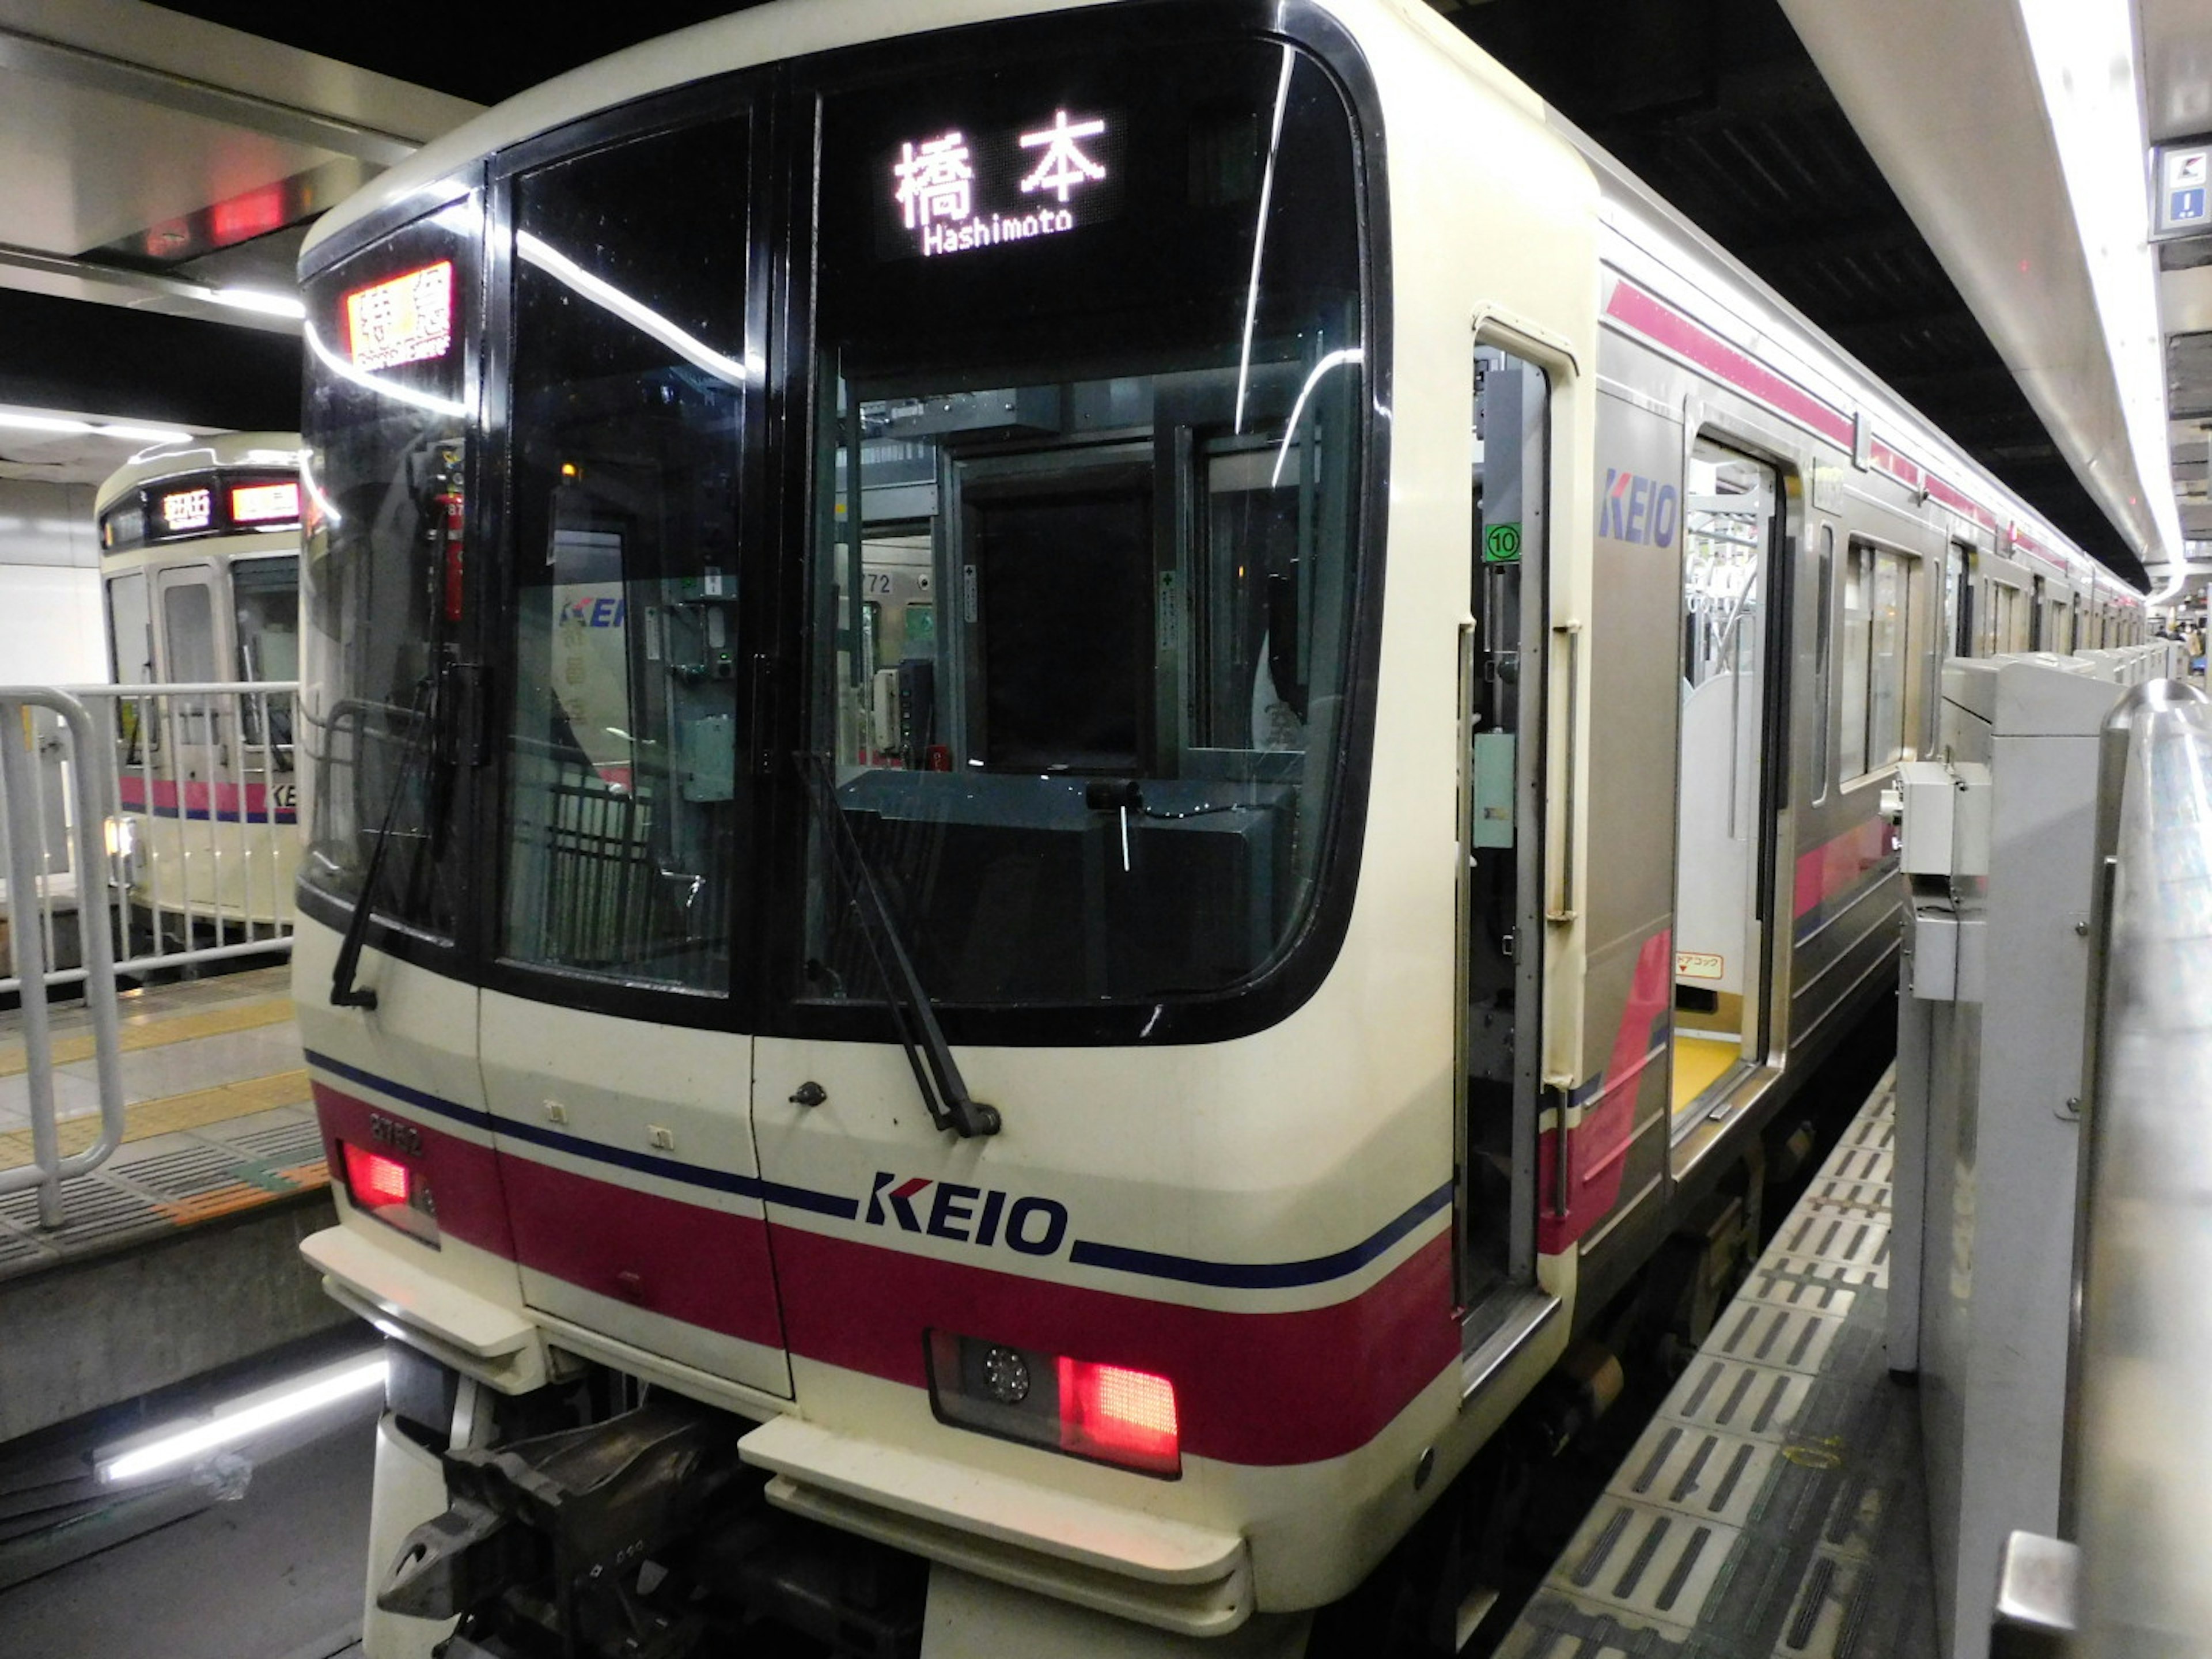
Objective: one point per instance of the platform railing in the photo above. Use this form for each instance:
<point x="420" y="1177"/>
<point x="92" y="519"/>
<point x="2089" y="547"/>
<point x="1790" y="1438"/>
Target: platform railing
<point x="147" y="828"/>
<point x="2138" y="1488"/>
<point x="204" y="807"/>
<point x="82" y="764"/>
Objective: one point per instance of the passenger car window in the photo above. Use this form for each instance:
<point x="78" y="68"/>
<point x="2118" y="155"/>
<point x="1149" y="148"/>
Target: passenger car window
<point x="1877" y="616"/>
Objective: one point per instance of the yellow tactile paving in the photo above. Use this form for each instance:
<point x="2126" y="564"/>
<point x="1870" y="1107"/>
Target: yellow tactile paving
<point x="158" y="1031"/>
<point x="149" y="1118"/>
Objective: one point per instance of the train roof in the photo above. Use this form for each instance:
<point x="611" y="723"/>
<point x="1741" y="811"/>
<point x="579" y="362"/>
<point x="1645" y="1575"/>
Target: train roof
<point x="1645" y="235"/>
<point x="230" y="449"/>
<point x="761" y="34"/>
<point x="1649" y="240"/>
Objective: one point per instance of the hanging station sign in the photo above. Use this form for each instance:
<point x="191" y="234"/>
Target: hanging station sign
<point x="963" y="188"/>
<point x="2183" y="176"/>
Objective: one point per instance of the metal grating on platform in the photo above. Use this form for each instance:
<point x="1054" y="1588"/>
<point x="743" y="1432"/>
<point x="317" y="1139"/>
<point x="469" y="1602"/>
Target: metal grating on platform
<point x="1773" y="1508"/>
<point x="185" y="1173"/>
<point x="284" y="1146"/>
<point x="156" y="1187"/>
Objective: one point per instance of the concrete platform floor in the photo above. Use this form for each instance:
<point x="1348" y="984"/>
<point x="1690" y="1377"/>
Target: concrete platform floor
<point x="219" y="1115"/>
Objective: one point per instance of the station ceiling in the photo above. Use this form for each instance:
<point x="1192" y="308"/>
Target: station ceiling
<point x="159" y="155"/>
<point x="1718" y="104"/>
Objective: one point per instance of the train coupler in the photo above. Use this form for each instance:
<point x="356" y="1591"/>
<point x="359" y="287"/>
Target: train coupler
<point x="556" y="1543"/>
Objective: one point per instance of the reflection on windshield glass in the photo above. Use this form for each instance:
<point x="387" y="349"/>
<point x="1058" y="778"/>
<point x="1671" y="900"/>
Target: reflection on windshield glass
<point x="1081" y="640"/>
<point x="622" y="789"/>
<point x="381" y="569"/>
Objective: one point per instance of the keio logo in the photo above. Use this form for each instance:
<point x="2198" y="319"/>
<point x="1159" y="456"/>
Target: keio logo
<point x="1635" y="508"/>
<point x="967" y="1215"/>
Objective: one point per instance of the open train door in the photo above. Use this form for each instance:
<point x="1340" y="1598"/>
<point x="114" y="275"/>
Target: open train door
<point x="1500" y="918"/>
<point x="1723" y="837"/>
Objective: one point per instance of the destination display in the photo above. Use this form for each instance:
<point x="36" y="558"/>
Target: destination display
<point x="407" y="318"/>
<point x="267" y="503"/>
<point x="180" y="510"/>
<point x="958" y="190"/>
<point x="200" y="504"/>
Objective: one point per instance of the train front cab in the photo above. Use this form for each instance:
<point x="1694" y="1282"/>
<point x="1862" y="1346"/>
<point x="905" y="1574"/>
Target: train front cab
<point x="199" y="555"/>
<point x="1275" y="796"/>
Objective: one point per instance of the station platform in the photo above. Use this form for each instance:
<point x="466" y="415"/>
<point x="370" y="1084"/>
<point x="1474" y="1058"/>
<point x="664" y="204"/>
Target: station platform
<point x="179" y="1254"/>
<point x="1774" y="1507"/>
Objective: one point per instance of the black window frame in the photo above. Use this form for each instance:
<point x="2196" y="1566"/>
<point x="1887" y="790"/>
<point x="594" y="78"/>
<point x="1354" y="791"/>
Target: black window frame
<point x="456" y="956"/>
<point x="1310" y="953"/>
<point x="775" y="522"/>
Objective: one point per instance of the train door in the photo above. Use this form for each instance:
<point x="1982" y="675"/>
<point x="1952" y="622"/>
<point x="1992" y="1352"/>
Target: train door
<point x="1730" y="523"/>
<point x="129" y="630"/>
<point x="191" y="646"/>
<point x="1500" y="932"/>
<point x="189" y="639"/>
<point x="620" y="1095"/>
<point x="1960" y="621"/>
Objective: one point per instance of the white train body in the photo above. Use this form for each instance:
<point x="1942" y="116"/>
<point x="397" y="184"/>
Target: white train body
<point x="1452" y="908"/>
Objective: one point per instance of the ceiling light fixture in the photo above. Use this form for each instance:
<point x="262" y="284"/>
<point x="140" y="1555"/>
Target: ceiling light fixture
<point x="44" y="423"/>
<point x="142" y="434"/>
<point x="249" y="299"/>
<point x="241" y="1420"/>
<point x="2084" y="53"/>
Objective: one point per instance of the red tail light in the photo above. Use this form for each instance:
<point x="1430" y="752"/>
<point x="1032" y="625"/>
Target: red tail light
<point x="373" y="1179"/>
<point x="382" y="1185"/>
<point x="1122" y="1416"/>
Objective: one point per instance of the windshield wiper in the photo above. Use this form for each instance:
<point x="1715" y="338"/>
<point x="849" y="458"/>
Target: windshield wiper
<point x="344" y="993"/>
<point x="943" y="1092"/>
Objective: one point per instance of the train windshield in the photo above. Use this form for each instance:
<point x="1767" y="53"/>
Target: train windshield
<point x="380" y="589"/>
<point x="266" y="591"/>
<point x="1091" y="377"/>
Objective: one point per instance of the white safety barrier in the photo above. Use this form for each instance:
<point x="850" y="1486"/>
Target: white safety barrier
<point x="147" y="827"/>
<point x="82" y="764"/>
<point x="206" y="803"/>
<point x="2138" y="1454"/>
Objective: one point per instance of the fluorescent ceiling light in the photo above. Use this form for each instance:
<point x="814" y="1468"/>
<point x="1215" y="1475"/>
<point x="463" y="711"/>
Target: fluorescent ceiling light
<point x="63" y="425"/>
<point x="44" y="423"/>
<point x="243" y="1419"/>
<point x="2085" y="58"/>
<point x="144" y="435"/>
<point x="249" y="299"/>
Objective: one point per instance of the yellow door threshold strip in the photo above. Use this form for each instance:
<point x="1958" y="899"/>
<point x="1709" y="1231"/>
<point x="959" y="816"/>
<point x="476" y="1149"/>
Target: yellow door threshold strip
<point x="148" y="1118"/>
<point x="159" y="1032"/>
<point x="1700" y="1062"/>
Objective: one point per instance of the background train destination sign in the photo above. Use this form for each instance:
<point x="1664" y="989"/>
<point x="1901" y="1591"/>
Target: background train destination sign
<point x="959" y="189"/>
